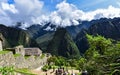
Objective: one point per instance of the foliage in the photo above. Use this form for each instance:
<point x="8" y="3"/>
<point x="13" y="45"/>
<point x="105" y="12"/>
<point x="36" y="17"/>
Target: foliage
<point x="26" y="56"/>
<point x="24" y="71"/>
<point x="63" y="45"/>
<point x="42" y="56"/>
<point x="7" y="70"/>
<point x="45" y="68"/>
<point x="17" y="55"/>
<point x="58" y="61"/>
<point x="103" y="56"/>
<point x="10" y="70"/>
<point x="98" y="43"/>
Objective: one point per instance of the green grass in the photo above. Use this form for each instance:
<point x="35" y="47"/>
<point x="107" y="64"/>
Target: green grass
<point x="17" y="55"/>
<point x="24" y="71"/>
<point x="26" y="57"/>
<point x="4" y="52"/>
<point x="42" y="56"/>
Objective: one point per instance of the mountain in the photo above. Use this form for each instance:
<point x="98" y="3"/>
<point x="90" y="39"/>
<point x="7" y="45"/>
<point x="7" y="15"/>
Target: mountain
<point x="109" y="28"/>
<point x="16" y="36"/>
<point x="42" y="35"/>
<point x="105" y="27"/>
<point x="63" y="45"/>
<point x="37" y="30"/>
<point x="44" y="40"/>
<point x="4" y="41"/>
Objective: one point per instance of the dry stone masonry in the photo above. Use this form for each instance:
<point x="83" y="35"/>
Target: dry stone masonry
<point x="8" y="59"/>
<point x="1" y="45"/>
<point x="17" y="57"/>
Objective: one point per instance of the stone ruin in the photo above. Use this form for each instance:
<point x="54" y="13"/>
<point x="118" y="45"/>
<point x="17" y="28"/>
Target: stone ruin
<point x="25" y="51"/>
<point x="33" y="51"/>
<point x="21" y="57"/>
<point x="1" y="44"/>
<point x="27" y="57"/>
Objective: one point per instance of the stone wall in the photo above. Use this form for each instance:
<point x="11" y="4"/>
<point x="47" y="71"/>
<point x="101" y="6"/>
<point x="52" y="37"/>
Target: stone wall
<point x="8" y="59"/>
<point x="1" y="45"/>
<point x="20" y="50"/>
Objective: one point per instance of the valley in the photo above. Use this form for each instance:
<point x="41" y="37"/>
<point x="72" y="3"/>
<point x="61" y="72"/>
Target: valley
<point x="87" y="47"/>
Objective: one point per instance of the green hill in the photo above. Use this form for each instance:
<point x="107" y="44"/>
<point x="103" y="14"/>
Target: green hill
<point x="63" y="45"/>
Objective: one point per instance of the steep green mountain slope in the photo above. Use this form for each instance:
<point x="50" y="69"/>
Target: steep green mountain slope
<point x="4" y="42"/>
<point x="109" y="28"/>
<point x="63" y="45"/>
<point x="44" y="40"/>
<point x="15" y="36"/>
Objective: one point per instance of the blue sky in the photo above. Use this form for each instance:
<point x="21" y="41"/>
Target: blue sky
<point x="85" y="5"/>
<point x="10" y="1"/>
<point x="58" y="12"/>
<point x="90" y="5"/>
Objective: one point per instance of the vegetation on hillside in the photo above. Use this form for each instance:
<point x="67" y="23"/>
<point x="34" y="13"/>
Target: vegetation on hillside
<point x="102" y="57"/>
<point x="63" y="45"/>
<point x="10" y="70"/>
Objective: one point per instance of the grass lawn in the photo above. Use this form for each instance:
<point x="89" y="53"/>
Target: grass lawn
<point x="4" y="52"/>
<point x="17" y="55"/>
<point x="24" y="71"/>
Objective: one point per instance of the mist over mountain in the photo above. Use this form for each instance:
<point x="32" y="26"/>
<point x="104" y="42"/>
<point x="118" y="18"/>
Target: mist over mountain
<point x="72" y="36"/>
<point x="30" y="12"/>
<point x="31" y="22"/>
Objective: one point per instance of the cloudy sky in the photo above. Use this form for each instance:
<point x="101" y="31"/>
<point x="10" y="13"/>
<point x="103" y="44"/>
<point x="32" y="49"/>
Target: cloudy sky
<point x="58" y="12"/>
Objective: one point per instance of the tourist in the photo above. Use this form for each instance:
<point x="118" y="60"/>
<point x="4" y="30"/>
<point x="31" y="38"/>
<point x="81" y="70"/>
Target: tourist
<point x="84" y="72"/>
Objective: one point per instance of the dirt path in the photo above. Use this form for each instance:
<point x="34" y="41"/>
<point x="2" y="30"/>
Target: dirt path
<point x="40" y="72"/>
<point x="50" y="72"/>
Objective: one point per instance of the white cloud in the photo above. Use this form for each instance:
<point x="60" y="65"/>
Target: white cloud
<point x="110" y="12"/>
<point x="66" y="14"/>
<point x="42" y="20"/>
<point x="9" y="7"/>
<point x="20" y="11"/>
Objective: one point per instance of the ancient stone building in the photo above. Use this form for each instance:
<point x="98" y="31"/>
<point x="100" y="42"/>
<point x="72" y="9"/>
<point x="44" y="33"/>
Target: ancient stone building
<point x="33" y="51"/>
<point x="1" y="44"/>
<point x="17" y="50"/>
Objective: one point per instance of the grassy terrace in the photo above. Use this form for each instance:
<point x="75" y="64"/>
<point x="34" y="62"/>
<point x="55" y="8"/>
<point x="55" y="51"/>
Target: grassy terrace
<point x="42" y="56"/>
<point x="26" y="57"/>
<point x="24" y="71"/>
<point x="4" y="52"/>
<point x="16" y="55"/>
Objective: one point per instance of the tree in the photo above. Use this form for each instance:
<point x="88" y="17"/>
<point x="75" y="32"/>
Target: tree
<point x="98" y="43"/>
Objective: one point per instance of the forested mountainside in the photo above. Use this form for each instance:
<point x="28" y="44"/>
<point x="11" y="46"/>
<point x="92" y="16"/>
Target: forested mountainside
<point x="37" y="36"/>
<point x="63" y="45"/>
<point x="16" y="36"/>
<point x="109" y="28"/>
